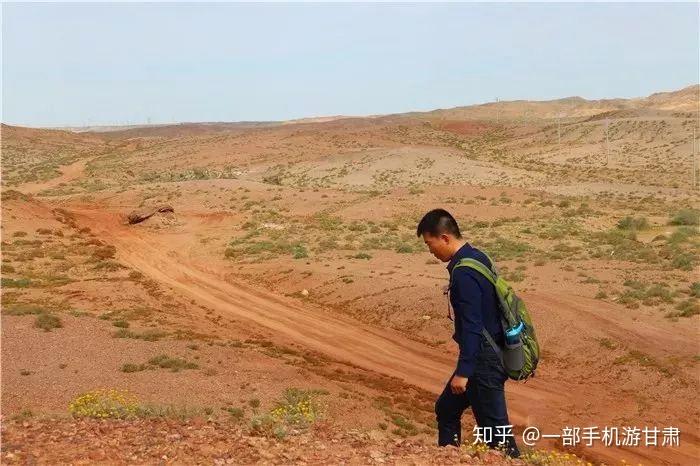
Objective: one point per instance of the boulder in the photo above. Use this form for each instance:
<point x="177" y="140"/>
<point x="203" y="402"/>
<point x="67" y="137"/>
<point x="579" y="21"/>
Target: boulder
<point x="139" y="215"/>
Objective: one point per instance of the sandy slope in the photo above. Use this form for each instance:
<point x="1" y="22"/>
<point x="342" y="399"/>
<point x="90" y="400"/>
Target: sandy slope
<point x="69" y="173"/>
<point x="545" y="402"/>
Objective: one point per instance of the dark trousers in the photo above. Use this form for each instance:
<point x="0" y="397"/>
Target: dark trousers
<point x="487" y="399"/>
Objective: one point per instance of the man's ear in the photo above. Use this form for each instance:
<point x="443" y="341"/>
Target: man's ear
<point x="445" y="238"/>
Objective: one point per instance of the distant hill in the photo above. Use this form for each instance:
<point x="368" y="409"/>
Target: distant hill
<point x="685" y="101"/>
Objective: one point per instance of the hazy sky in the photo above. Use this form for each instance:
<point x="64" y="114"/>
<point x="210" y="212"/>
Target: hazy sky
<point x="78" y="64"/>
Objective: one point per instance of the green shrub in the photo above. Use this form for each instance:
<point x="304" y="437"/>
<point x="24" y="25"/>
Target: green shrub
<point x="404" y="248"/>
<point x="47" y="322"/>
<point x="327" y="244"/>
<point x="682" y="234"/>
<point x="687" y="308"/>
<point x="12" y="283"/>
<point x="327" y="222"/>
<point x="148" y="335"/>
<point x="686" y="217"/>
<point x="516" y="276"/>
<point x="683" y="261"/>
<point x="505" y="249"/>
<point x="659" y="291"/>
<point x="297" y="408"/>
<point x="22" y="309"/>
<point x="633" y="223"/>
<point x="300" y="252"/>
<point x="607" y="343"/>
<point x="236" y="413"/>
<point x="129" y="367"/>
<point x="621" y="245"/>
<point x="266" y="426"/>
<point x="174" y="364"/>
<point x="404" y="426"/>
<point x="695" y="289"/>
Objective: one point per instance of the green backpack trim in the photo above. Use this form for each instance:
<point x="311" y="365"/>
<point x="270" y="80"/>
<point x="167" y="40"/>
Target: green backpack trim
<point x="513" y="311"/>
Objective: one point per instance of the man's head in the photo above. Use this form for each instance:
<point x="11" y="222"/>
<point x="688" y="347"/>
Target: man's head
<point x="441" y="233"/>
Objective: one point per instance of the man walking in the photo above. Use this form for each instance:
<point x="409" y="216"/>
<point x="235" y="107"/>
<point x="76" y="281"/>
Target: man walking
<point x="478" y="380"/>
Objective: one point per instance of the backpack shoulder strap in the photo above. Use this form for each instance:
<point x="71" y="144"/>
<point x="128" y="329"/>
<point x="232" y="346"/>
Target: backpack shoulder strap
<point x="493" y="264"/>
<point x="479" y="267"/>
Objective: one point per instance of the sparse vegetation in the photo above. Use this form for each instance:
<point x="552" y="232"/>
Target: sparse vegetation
<point x="105" y="403"/>
<point x="643" y="359"/>
<point x="174" y="364"/>
<point x="129" y="367"/>
<point x="687" y="308"/>
<point x="633" y="223"/>
<point x="686" y="217"/>
<point x="695" y="289"/>
<point x="15" y="283"/>
<point x="298" y="409"/>
<point x="236" y="414"/>
<point x="47" y="322"/>
<point x="22" y="309"/>
<point x="404" y="427"/>
<point x="607" y="343"/>
<point x="404" y="249"/>
<point x="146" y="335"/>
<point x="122" y="404"/>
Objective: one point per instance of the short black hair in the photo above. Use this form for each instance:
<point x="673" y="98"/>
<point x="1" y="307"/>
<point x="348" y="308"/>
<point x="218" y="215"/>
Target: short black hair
<point x="437" y="222"/>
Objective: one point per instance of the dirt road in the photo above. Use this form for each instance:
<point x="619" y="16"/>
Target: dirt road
<point x="68" y="173"/>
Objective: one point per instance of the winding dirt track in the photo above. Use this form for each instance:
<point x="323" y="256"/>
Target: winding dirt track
<point x="539" y="402"/>
<point x="68" y="173"/>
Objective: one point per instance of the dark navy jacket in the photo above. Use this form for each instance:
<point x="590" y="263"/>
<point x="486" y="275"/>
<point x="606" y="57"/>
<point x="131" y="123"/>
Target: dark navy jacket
<point x="475" y="305"/>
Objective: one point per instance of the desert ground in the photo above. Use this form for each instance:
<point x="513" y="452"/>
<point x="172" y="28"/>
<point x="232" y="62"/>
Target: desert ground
<point x="285" y="312"/>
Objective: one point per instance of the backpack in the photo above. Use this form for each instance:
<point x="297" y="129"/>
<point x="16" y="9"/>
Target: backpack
<point x="521" y="353"/>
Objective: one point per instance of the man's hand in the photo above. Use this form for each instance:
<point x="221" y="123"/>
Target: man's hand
<point x="458" y="384"/>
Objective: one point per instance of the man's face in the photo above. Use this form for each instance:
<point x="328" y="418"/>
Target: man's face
<point x="439" y="246"/>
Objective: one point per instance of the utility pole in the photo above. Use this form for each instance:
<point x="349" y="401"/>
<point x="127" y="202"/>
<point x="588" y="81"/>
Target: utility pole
<point x="498" y="109"/>
<point x="607" y="143"/>
<point x="559" y="133"/>
<point x="695" y="162"/>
